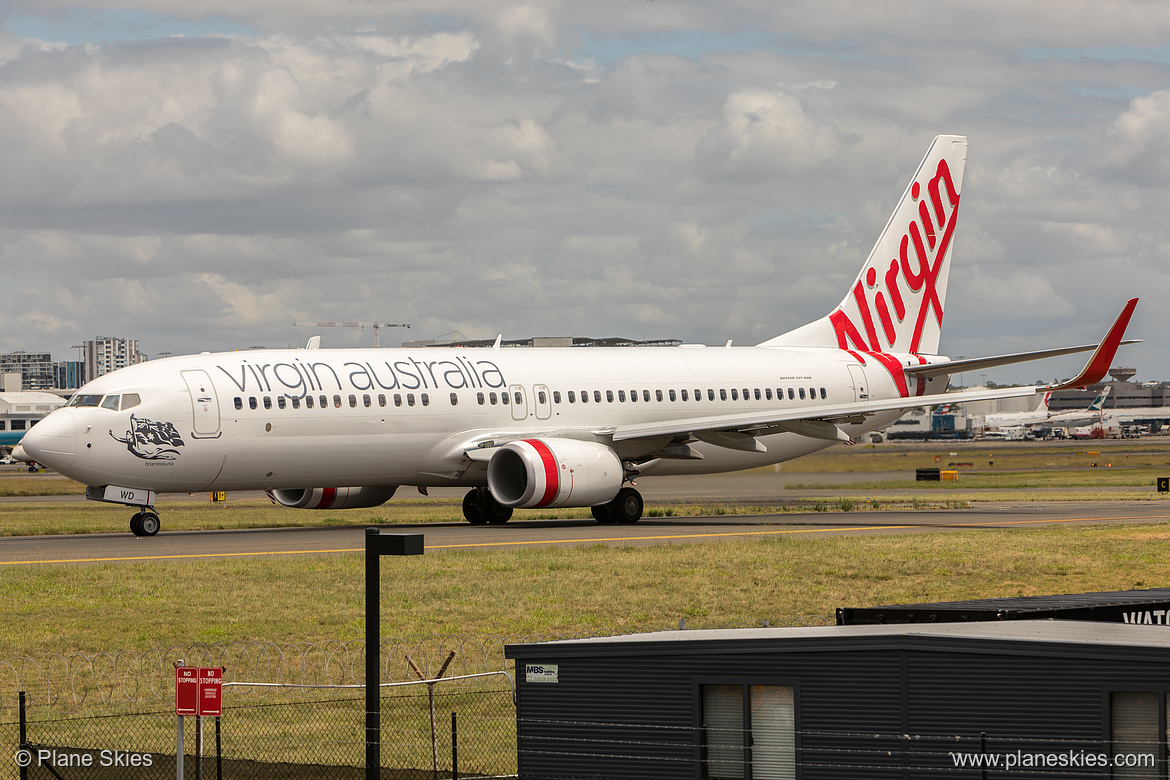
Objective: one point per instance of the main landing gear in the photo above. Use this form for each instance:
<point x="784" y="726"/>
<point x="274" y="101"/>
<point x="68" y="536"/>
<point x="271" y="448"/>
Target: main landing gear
<point x="480" y="507"/>
<point x="145" y="523"/>
<point x="625" y="508"/>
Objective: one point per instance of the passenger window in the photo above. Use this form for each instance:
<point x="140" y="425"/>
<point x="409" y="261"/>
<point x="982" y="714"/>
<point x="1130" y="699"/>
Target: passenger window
<point x="130" y="400"/>
<point x="646" y="396"/>
<point x="768" y="393"/>
<point x="336" y="402"/>
<point x="324" y="401"/>
<point x="621" y="396"/>
<point x="280" y="402"/>
<point x="367" y="401"/>
<point x="111" y="402"/>
<point x="572" y="397"/>
<point x="504" y="398"/>
<point x="672" y="395"/>
<point x="454" y="399"/>
<point x="556" y="396"/>
<point x="352" y="401"/>
<point x="308" y="402"/>
<point x="479" y="398"/>
<point x="791" y="394"/>
<point x="397" y="399"/>
<point x="823" y="394"/>
<point x="543" y="397"/>
<point x="722" y="394"/>
<point x="252" y="402"/>
<point x="267" y="402"/>
<point x="382" y="399"/>
<point x="410" y="399"/>
<point x="757" y="393"/>
<point x="684" y="394"/>
<point x="658" y="395"/>
<point x="584" y="396"/>
<point x="425" y="398"/>
<point x="802" y="393"/>
<point x="633" y="396"/>
<point x="609" y="396"/>
<point x="239" y="403"/>
<point x="734" y="394"/>
<point x="710" y="394"/>
<point x="596" y="397"/>
<point x="812" y="392"/>
<point x="296" y="402"/>
<point x="492" y="398"/>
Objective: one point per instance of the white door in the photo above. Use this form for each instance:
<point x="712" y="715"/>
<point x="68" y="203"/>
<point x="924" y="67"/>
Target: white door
<point x="204" y="404"/>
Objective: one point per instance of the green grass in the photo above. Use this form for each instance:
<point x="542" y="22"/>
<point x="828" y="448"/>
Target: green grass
<point x="595" y="589"/>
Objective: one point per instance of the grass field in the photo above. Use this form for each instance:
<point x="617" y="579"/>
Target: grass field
<point x="104" y="608"/>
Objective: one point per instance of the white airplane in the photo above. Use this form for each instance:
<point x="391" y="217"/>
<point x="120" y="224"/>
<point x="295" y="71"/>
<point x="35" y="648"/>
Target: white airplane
<point x="1070" y="419"/>
<point x="538" y="427"/>
<point x="1010" y="419"/>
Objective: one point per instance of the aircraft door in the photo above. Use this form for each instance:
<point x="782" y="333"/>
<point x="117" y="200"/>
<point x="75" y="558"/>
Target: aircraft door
<point x="519" y="402"/>
<point x="541" y="397"/>
<point x="860" y="388"/>
<point x="204" y="404"/>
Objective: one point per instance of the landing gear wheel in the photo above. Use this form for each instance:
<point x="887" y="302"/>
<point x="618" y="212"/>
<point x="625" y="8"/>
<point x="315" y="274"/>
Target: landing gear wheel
<point x="144" y="523"/>
<point x="627" y="507"/>
<point x="471" y="508"/>
<point x="149" y="523"/>
<point x="602" y="514"/>
<point x="495" y="512"/>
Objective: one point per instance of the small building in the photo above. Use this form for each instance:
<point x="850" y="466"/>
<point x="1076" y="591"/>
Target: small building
<point x="1027" y="698"/>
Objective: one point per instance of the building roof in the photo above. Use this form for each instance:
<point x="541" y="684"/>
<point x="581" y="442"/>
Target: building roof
<point x="1077" y="637"/>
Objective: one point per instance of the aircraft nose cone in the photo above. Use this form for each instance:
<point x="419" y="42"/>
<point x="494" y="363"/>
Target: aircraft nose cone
<point x="52" y="441"/>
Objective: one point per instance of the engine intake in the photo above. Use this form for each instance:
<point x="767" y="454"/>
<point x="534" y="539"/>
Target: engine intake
<point x="554" y="472"/>
<point x="333" y="498"/>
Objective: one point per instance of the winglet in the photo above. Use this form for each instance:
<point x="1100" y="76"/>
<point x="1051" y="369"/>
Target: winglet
<point x="1098" y="365"/>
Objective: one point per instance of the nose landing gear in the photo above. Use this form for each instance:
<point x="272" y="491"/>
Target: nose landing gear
<point x="145" y="523"/>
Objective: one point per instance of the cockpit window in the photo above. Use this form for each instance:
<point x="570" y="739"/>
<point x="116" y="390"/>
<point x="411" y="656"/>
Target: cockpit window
<point x="111" y="402"/>
<point x="130" y="400"/>
<point x="86" y="400"/>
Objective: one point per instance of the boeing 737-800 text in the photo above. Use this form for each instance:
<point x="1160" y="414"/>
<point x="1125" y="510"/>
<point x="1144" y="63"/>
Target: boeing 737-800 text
<point x="538" y="427"/>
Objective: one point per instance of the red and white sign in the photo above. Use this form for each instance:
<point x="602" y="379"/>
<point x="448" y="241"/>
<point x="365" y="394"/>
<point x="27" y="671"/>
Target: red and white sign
<point x="211" y="691"/>
<point x="198" y="691"/>
<point x="186" y="690"/>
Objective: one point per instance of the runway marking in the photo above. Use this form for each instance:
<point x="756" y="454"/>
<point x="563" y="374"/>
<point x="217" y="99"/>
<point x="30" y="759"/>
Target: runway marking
<point x="776" y="532"/>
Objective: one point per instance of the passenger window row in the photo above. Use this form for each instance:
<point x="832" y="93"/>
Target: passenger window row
<point x="506" y="397"/>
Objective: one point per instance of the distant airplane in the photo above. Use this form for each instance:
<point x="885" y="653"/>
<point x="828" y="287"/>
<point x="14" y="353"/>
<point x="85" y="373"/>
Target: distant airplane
<point x="1009" y="419"/>
<point x="1077" y="417"/>
<point x="555" y="427"/>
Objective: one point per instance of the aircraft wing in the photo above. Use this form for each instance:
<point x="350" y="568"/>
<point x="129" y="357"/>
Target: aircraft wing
<point x="808" y="420"/>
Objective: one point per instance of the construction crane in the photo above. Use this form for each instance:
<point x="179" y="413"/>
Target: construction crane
<point x="377" y="326"/>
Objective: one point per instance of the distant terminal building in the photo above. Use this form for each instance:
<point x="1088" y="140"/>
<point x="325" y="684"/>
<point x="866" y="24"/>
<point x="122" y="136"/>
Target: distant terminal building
<point x="542" y="341"/>
<point x="20" y="411"/>
<point x="36" y="369"/>
<point x="109" y="353"/>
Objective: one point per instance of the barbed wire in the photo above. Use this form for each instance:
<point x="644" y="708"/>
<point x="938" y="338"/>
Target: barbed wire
<point x="144" y="677"/>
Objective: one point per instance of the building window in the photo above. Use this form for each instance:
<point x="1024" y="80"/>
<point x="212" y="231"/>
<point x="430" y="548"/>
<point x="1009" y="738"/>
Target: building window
<point x="1133" y="718"/>
<point x="748" y="731"/>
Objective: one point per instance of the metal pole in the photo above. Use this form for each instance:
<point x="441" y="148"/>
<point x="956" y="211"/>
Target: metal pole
<point x="198" y="747"/>
<point x="218" y="753"/>
<point x="454" y="748"/>
<point x="373" y="656"/>
<point x="23" y="736"/>
<point x="179" y="739"/>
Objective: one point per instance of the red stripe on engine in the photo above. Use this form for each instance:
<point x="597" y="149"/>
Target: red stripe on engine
<point x="551" y="482"/>
<point x="327" y="496"/>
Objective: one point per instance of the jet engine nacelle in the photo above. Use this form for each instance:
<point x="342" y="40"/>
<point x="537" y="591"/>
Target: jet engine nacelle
<point x="333" y="498"/>
<point x="554" y="472"/>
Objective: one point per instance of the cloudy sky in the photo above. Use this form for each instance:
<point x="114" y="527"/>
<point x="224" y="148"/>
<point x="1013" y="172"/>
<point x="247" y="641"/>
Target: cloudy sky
<point x="201" y="175"/>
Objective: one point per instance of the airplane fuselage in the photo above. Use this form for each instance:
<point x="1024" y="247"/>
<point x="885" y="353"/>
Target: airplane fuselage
<point x="275" y="419"/>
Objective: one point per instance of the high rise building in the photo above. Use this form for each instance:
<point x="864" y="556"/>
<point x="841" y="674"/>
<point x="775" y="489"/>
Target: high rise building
<point x="36" y="369"/>
<point x="109" y="353"/>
